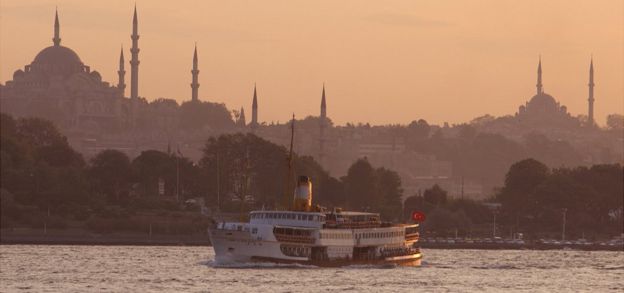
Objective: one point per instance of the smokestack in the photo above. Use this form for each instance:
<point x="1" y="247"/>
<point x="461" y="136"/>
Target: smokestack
<point x="303" y="194"/>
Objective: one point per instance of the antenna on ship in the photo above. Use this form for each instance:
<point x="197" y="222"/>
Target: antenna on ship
<point x="287" y="188"/>
<point x="245" y="184"/>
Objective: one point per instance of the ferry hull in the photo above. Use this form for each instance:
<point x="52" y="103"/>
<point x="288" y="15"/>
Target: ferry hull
<point x="413" y="261"/>
<point x="238" y="247"/>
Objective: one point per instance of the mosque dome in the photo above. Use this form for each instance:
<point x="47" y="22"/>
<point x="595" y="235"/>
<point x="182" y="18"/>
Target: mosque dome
<point x="60" y="55"/>
<point x="543" y="101"/>
<point x="57" y="59"/>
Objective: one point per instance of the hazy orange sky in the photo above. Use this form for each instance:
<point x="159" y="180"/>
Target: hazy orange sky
<point x="382" y="61"/>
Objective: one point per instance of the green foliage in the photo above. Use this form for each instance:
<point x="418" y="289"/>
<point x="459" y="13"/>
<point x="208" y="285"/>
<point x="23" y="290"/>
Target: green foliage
<point x="110" y="172"/>
<point x="376" y="190"/>
<point x="435" y="196"/>
<point x="178" y="173"/>
<point x="534" y="196"/>
<point x="253" y="170"/>
<point x="360" y="185"/>
<point x="444" y="222"/>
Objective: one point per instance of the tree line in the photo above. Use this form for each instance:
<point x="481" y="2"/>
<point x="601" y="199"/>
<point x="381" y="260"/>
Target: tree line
<point x="535" y="201"/>
<point x="42" y="176"/>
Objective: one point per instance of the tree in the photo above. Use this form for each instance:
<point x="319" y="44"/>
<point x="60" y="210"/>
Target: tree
<point x="517" y="196"/>
<point x="360" y="185"/>
<point x="38" y="165"/>
<point x="249" y="167"/>
<point x="38" y="132"/>
<point x="390" y="190"/>
<point x="525" y="175"/>
<point x="414" y="203"/>
<point x="150" y="167"/>
<point x="420" y="128"/>
<point x="111" y="173"/>
<point x="237" y="165"/>
<point x="435" y="196"/>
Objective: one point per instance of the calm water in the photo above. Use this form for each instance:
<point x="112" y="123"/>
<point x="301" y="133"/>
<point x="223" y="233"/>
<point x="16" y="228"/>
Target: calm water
<point x="30" y="268"/>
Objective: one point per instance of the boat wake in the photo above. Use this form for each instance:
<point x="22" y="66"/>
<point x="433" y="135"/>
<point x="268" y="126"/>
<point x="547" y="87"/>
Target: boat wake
<point x="255" y="265"/>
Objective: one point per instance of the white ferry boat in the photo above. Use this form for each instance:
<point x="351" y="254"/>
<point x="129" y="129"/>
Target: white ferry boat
<point x="312" y="236"/>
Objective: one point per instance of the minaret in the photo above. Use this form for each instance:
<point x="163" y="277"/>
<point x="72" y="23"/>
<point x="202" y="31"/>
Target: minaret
<point x="134" y="62"/>
<point x="57" y="35"/>
<point x="539" y="77"/>
<point x="254" y="109"/>
<point x="323" y="124"/>
<point x="121" y="85"/>
<point x="590" y="112"/>
<point x="195" y="72"/>
<point x="241" y="118"/>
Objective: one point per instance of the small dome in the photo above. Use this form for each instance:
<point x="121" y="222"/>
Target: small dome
<point x="18" y="74"/>
<point x="96" y="75"/>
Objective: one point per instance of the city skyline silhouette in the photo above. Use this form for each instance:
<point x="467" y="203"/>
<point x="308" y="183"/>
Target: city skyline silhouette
<point x="401" y="59"/>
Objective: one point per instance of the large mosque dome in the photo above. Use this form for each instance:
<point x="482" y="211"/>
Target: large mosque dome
<point x="57" y="60"/>
<point x="543" y="101"/>
<point x="58" y="55"/>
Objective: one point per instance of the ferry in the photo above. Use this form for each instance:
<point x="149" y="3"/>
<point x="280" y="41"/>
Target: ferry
<point x="315" y="236"/>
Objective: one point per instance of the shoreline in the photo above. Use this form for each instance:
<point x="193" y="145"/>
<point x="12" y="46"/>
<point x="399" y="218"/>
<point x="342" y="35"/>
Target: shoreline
<point x="203" y="240"/>
<point x="8" y="238"/>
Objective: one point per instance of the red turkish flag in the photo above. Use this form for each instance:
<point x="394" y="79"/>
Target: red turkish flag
<point x="418" y="216"/>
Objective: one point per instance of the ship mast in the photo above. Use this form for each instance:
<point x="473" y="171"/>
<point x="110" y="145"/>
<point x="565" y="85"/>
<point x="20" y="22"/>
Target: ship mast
<point x="288" y="181"/>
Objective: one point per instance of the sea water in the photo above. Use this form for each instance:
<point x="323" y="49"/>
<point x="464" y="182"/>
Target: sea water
<point x="53" y="268"/>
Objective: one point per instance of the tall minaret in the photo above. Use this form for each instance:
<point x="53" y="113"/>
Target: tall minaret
<point x="57" y="35"/>
<point x="539" y="77"/>
<point x="195" y="72"/>
<point x="590" y="113"/>
<point x="134" y="62"/>
<point x="254" y="109"/>
<point x="323" y="124"/>
<point x="121" y="85"/>
<point x="323" y="104"/>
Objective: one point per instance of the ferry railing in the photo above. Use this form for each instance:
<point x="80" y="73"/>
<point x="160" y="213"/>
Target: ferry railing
<point x="294" y="238"/>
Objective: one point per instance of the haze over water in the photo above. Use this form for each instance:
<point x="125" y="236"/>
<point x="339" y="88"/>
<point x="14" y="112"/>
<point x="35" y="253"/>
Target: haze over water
<point x="27" y="268"/>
